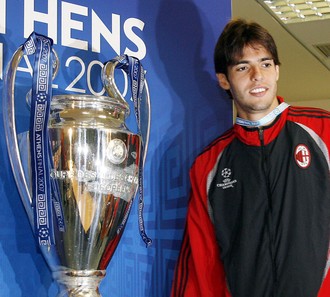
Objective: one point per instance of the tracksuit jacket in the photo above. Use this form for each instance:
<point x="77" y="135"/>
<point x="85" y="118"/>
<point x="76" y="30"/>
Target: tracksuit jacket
<point x="259" y="212"/>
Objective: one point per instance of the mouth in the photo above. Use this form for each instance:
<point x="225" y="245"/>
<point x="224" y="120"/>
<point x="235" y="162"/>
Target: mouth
<point x="258" y="91"/>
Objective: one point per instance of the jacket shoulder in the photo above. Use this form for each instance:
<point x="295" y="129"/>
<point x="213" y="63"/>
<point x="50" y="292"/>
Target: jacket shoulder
<point x="315" y="119"/>
<point x="308" y="114"/>
<point x="210" y="154"/>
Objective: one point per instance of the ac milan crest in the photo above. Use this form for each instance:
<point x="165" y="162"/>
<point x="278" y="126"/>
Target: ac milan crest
<point x="302" y="156"/>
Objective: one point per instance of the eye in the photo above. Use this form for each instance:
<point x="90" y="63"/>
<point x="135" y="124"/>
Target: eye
<point x="241" y="68"/>
<point x="267" y="64"/>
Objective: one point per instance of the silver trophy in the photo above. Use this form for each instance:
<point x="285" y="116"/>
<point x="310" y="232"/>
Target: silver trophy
<point x="87" y="161"/>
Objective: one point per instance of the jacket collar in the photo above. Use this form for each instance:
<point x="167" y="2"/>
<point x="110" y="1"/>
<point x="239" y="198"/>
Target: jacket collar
<point x="251" y="136"/>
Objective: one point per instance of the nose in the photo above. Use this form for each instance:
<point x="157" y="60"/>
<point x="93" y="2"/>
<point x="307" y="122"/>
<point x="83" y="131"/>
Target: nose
<point x="256" y="74"/>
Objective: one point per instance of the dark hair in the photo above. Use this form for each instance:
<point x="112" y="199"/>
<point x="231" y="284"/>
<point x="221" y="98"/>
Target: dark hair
<point x="237" y="34"/>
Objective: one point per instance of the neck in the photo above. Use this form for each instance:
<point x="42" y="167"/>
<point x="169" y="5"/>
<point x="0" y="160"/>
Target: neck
<point x="265" y="120"/>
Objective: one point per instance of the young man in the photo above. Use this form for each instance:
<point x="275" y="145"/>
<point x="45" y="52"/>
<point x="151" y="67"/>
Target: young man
<point x="259" y="213"/>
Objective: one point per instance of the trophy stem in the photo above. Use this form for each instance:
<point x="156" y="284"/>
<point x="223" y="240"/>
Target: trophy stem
<point x="79" y="283"/>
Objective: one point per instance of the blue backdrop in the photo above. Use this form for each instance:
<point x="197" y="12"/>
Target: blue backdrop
<point x="175" y="41"/>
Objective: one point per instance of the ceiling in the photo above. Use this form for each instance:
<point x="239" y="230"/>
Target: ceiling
<point x="302" y="76"/>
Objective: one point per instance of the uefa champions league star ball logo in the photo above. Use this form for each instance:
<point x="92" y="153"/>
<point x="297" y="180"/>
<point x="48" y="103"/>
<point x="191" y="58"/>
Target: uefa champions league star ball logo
<point x="41" y="97"/>
<point x="116" y="151"/>
<point x="227" y="182"/>
<point x="226" y="173"/>
<point x="43" y="232"/>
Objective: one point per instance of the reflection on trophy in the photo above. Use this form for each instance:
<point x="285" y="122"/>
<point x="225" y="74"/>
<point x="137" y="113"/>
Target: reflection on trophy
<point x="78" y="174"/>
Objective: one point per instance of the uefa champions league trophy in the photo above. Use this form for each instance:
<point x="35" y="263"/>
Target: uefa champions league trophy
<point x="78" y="168"/>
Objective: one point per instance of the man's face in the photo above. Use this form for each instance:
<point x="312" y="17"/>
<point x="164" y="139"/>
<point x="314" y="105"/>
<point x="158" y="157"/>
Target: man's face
<point x="252" y="82"/>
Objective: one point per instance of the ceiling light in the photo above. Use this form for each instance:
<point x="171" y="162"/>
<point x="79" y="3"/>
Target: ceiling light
<point x="295" y="11"/>
<point x="308" y="21"/>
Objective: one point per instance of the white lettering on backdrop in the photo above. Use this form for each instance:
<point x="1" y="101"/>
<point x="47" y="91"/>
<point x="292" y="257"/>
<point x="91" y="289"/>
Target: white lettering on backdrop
<point x="74" y="19"/>
<point x="99" y="28"/>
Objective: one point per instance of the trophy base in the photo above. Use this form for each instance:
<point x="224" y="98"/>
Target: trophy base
<point x="79" y="283"/>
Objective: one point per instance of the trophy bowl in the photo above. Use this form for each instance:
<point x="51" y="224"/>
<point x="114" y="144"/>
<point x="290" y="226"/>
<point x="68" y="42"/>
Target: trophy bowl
<point x="92" y="167"/>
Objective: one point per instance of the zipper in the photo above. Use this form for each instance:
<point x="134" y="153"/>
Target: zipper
<point x="269" y="222"/>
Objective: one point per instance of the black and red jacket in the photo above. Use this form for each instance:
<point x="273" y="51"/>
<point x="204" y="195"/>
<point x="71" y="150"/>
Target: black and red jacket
<point x="258" y="221"/>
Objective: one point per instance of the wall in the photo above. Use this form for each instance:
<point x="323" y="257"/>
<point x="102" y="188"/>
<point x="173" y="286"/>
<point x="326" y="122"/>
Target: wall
<point x="174" y="40"/>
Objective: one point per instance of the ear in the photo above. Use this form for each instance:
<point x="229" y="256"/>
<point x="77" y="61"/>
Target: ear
<point x="223" y="81"/>
<point x="277" y="68"/>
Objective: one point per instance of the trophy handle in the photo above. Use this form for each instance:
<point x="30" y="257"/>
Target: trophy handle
<point x="148" y="120"/>
<point x="8" y="105"/>
<point x="108" y="79"/>
<point x="141" y="99"/>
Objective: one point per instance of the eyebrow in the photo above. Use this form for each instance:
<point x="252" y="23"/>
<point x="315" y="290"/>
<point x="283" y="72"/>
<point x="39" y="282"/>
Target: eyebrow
<point x="247" y="61"/>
